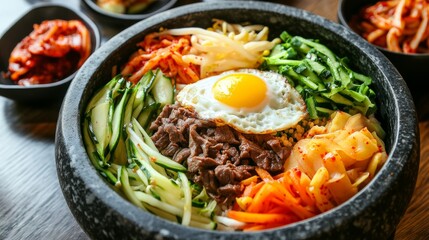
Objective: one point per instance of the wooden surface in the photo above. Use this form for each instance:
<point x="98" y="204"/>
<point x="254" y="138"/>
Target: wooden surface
<point x="31" y="203"/>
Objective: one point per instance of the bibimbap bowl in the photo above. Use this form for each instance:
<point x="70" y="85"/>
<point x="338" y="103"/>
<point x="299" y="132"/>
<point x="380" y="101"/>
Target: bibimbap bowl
<point x="372" y="213"/>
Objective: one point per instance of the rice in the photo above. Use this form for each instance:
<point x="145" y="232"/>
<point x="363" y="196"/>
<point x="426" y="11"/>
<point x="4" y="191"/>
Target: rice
<point x="292" y="135"/>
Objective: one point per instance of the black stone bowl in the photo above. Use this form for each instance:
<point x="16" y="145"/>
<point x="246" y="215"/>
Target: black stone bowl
<point x="412" y="67"/>
<point x="22" y="28"/>
<point x="371" y="214"/>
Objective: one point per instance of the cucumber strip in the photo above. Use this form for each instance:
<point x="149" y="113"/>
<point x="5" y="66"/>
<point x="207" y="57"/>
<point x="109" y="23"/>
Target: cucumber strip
<point x="156" y="177"/>
<point x="104" y="94"/>
<point x="170" y="198"/>
<point x="155" y="155"/>
<point x="117" y="121"/>
<point x="109" y="176"/>
<point x="147" y="114"/>
<point x="126" y="188"/>
<point x="132" y="175"/>
<point x="208" y="210"/>
<point x="119" y="87"/>
<point x="186" y="219"/>
<point x="138" y="130"/>
<point x="163" y="91"/>
<point x="138" y="110"/>
<point x="209" y="226"/>
<point x="161" y="213"/>
<point x="143" y="88"/>
<point x="119" y="155"/>
<point x="198" y="204"/>
<point x="202" y="196"/>
<point x="90" y="146"/>
<point x="149" y="199"/>
<point x="100" y="125"/>
<point x="130" y="104"/>
<point x="155" y="205"/>
<point x="150" y="189"/>
<point x="150" y="80"/>
<point x="143" y="175"/>
<point x="146" y="137"/>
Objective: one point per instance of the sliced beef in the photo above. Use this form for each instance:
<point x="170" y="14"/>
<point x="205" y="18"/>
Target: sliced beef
<point x="264" y="158"/>
<point x="217" y="157"/>
<point x="182" y="155"/>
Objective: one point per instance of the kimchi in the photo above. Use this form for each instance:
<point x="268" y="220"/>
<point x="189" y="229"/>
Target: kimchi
<point x="52" y="51"/>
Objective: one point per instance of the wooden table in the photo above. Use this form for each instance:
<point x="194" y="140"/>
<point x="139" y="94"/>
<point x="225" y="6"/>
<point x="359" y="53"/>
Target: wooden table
<point x="31" y="203"/>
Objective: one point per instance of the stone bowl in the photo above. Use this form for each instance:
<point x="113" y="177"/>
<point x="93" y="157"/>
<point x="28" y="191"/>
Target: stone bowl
<point x="371" y="214"/>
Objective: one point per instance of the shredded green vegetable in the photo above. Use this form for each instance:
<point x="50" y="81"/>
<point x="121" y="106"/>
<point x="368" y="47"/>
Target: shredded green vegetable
<point x="321" y="77"/>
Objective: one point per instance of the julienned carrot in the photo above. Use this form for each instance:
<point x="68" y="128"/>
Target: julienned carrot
<point x="252" y="179"/>
<point x="274" y="201"/>
<point x="261" y="200"/>
<point x="252" y="189"/>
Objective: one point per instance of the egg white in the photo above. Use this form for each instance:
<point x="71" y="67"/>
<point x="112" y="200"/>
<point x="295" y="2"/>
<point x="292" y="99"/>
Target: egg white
<point x="283" y="106"/>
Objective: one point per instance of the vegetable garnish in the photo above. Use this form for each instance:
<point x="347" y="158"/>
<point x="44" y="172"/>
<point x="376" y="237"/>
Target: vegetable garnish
<point x="322" y="78"/>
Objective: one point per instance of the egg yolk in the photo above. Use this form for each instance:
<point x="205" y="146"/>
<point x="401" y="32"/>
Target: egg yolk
<point x="240" y="90"/>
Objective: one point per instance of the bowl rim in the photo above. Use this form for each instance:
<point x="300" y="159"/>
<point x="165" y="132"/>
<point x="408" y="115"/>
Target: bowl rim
<point x="342" y="20"/>
<point x="70" y="77"/>
<point x="70" y="126"/>
<point x="132" y="17"/>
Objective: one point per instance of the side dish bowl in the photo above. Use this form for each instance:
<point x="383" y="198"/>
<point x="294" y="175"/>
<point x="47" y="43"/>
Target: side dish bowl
<point x="372" y="213"/>
<point x="20" y="29"/>
<point x="127" y="19"/>
<point x="410" y="66"/>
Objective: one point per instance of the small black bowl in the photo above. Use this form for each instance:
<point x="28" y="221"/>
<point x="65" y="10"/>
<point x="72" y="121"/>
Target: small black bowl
<point x="373" y="213"/>
<point x="22" y="28"/>
<point x="128" y="19"/>
<point x="411" y="66"/>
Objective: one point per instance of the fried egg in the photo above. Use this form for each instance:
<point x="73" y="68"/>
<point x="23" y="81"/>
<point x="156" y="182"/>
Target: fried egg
<point x="249" y="100"/>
